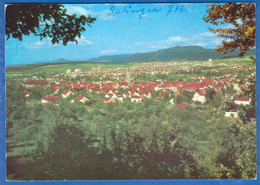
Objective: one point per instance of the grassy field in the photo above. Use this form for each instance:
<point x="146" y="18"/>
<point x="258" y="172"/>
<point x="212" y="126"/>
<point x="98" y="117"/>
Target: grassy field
<point x="28" y="71"/>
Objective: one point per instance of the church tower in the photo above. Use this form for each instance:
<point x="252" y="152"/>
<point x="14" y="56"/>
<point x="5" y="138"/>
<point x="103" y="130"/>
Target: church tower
<point x="128" y="76"/>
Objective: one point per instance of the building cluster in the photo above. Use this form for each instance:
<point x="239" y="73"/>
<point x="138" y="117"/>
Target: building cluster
<point x="153" y="68"/>
<point x="123" y="86"/>
<point x="137" y="92"/>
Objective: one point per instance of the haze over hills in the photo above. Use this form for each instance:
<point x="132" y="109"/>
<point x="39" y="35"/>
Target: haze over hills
<point x="174" y="53"/>
<point x="60" y="60"/>
<point x="178" y="53"/>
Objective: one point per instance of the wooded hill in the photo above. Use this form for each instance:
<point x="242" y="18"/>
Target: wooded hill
<point x="178" y="53"/>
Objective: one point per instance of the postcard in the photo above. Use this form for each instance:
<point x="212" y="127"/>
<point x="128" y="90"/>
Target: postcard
<point x="130" y="91"/>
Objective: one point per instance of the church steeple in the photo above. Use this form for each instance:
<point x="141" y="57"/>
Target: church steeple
<point x="128" y="76"/>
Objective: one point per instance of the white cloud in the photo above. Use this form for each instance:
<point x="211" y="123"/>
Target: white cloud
<point x="206" y="34"/>
<point x="157" y="47"/>
<point x="103" y="16"/>
<point x="44" y="43"/>
<point x="188" y="7"/>
<point x="175" y="39"/>
<point x="90" y="5"/>
<point x="82" y="41"/>
<point x="109" y="51"/>
<point x="202" y="44"/>
<point x="205" y="39"/>
<point x="141" y="16"/>
<point x="36" y="45"/>
<point x="118" y="4"/>
<point x="78" y="10"/>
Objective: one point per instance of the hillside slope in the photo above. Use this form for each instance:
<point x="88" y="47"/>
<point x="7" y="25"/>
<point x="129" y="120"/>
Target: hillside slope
<point x="170" y="54"/>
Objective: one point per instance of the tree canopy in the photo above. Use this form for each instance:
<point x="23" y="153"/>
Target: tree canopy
<point x="45" y="20"/>
<point x="240" y="32"/>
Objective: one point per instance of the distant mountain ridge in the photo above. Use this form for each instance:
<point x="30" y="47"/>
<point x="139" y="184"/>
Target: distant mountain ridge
<point x="191" y="53"/>
<point x="177" y="53"/>
<point x="60" y="60"/>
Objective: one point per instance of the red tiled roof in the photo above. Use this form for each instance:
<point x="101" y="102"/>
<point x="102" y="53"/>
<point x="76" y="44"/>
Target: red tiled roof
<point x="106" y="99"/>
<point x="53" y="90"/>
<point x="118" y="94"/>
<point x="180" y="88"/>
<point x="181" y="105"/>
<point x="203" y="90"/>
<point x="109" y="83"/>
<point x="86" y="83"/>
<point x="241" y="98"/>
<point x="56" y="85"/>
<point x="132" y="91"/>
<point x="47" y="98"/>
<point x="136" y="96"/>
<point x="160" y="94"/>
<point x="78" y="98"/>
<point x="149" y="87"/>
<point x="218" y="86"/>
<point x="123" y="83"/>
<point x="127" y="94"/>
<point x="79" y="87"/>
<point x="65" y="92"/>
<point x="36" y="82"/>
<point x="232" y="110"/>
<point x="200" y="93"/>
<point x="143" y="93"/>
<point x="25" y="92"/>
<point x="207" y="82"/>
<point x="135" y="87"/>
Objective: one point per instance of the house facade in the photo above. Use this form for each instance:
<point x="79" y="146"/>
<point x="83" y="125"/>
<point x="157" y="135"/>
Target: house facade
<point x="199" y="97"/>
<point x="231" y="113"/>
<point x="242" y="100"/>
<point x="66" y="93"/>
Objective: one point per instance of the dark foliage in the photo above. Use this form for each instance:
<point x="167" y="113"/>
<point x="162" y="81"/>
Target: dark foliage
<point x="44" y="20"/>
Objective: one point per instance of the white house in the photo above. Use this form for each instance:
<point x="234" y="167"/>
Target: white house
<point x="231" y="113"/>
<point x="54" y="90"/>
<point x="199" y="97"/>
<point x="108" y="96"/>
<point x="145" y="94"/>
<point x="81" y="99"/>
<point x="111" y="92"/>
<point x="237" y="88"/>
<point x="172" y="101"/>
<point x="66" y="93"/>
<point x="123" y="84"/>
<point x="127" y="94"/>
<point x="117" y="96"/>
<point x="133" y="93"/>
<point x="135" y="98"/>
<point x="49" y="98"/>
<point x="242" y="100"/>
<point x="77" y="70"/>
<point x="26" y="93"/>
<point x="108" y="100"/>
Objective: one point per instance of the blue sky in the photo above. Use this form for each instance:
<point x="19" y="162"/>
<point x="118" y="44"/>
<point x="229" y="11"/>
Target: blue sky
<point x="121" y="29"/>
